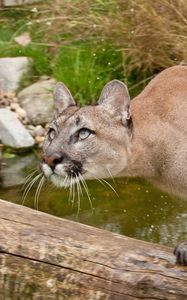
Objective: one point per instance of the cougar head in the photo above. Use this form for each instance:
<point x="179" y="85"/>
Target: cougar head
<point x="91" y="141"/>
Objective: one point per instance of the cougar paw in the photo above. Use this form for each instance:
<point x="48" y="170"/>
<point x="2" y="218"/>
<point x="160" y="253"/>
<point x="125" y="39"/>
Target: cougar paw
<point x="181" y="253"/>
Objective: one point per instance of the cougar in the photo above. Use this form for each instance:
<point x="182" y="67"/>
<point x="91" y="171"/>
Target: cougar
<point x="145" y="137"/>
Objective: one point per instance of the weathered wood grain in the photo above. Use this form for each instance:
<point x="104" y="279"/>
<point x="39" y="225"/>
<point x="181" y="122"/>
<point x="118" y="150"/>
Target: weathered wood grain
<point x="44" y="257"/>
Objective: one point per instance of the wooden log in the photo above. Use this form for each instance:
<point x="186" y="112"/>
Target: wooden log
<point x="45" y="257"/>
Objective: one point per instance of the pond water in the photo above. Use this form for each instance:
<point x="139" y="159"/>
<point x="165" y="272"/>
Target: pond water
<point x="141" y="211"/>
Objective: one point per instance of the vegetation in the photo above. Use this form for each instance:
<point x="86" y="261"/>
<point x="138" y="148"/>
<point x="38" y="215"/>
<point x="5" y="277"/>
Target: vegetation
<point x="86" y="43"/>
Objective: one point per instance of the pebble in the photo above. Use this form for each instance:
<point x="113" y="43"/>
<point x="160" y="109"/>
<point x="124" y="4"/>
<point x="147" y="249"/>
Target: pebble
<point x="14" y="106"/>
<point x="21" y="113"/>
<point x="39" y="131"/>
<point x="25" y="121"/>
<point x="39" y="139"/>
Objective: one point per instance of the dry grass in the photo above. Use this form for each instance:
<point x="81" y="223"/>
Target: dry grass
<point x="152" y="34"/>
<point x="85" y="43"/>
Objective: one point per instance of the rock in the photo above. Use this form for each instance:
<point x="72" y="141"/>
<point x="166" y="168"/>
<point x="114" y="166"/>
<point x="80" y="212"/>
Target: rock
<point x="13" y="170"/>
<point x="7" y="98"/>
<point x="12" y="132"/>
<point x="21" y="113"/>
<point x="18" y="2"/>
<point x="11" y="71"/>
<point x="37" y="101"/>
<point x="14" y="106"/>
<point x="30" y="129"/>
<point x="39" y="131"/>
<point x="39" y="139"/>
<point x="10" y="95"/>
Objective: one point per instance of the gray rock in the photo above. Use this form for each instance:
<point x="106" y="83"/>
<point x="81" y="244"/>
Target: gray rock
<point x="13" y="171"/>
<point x="12" y="132"/>
<point x="18" y="2"/>
<point x="37" y="101"/>
<point x="11" y="71"/>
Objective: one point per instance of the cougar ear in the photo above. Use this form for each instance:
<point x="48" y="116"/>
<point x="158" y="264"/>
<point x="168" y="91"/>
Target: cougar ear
<point x="62" y="97"/>
<point x="115" y="97"/>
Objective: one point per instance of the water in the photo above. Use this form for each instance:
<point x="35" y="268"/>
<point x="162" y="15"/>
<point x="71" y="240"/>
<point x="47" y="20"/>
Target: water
<point x="141" y="211"/>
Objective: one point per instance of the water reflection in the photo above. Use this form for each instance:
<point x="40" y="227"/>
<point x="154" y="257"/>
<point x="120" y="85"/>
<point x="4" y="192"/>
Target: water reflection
<point x="141" y="211"/>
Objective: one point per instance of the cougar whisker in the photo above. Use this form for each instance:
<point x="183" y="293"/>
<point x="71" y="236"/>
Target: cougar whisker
<point x="29" y="186"/>
<point x="82" y="180"/>
<point x="103" y="182"/>
<point x="110" y="175"/>
<point x="28" y="177"/>
<point x="78" y="194"/>
<point x="38" y="191"/>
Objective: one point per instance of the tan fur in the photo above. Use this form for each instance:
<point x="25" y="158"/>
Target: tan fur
<point x="159" y="144"/>
<point x="156" y="148"/>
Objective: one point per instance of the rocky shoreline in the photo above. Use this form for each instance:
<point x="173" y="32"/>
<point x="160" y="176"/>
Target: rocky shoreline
<point x="24" y="115"/>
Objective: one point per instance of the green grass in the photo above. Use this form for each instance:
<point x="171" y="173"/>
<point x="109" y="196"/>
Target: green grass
<point x="85" y="68"/>
<point x="14" y="22"/>
<point x="82" y="62"/>
<point x="87" y="43"/>
<point x="40" y="55"/>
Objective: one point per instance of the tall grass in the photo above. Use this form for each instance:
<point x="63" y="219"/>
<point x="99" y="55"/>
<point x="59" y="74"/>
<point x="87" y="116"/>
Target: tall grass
<point x="152" y="34"/>
<point x="86" y="67"/>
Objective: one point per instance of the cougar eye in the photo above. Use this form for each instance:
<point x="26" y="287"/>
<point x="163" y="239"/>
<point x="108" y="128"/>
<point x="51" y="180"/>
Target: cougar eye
<point x="51" y="133"/>
<point x="84" y="133"/>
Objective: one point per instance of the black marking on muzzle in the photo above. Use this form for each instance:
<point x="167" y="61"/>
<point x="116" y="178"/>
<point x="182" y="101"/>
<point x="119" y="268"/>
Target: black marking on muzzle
<point x="75" y="169"/>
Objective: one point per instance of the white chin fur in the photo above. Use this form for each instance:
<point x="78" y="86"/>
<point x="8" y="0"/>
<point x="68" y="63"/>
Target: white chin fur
<point x="46" y="170"/>
<point x="60" y="181"/>
<point x="58" y="178"/>
<point x="59" y="170"/>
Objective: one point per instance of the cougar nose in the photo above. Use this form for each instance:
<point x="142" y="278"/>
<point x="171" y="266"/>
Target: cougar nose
<point x="53" y="160"/>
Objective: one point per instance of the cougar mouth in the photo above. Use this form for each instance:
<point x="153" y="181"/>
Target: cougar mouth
<point x="63" y="174"/>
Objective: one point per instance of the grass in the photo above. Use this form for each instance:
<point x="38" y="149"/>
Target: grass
<point x="87" y="43"/>
<point x="86" y="68"/>
<point x="151" y="34"/>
